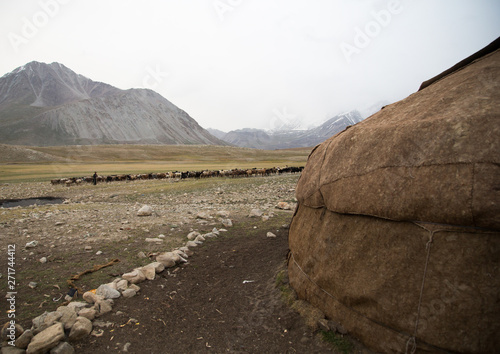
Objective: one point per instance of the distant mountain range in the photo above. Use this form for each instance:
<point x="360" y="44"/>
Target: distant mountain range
<point x="285" y="139"/>
<point x="49" y="104"/>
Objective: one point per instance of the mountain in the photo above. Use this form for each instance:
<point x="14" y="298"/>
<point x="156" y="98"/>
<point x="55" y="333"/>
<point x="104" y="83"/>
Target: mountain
<point x="286" y="139"/>
<point x="49" y="104"/>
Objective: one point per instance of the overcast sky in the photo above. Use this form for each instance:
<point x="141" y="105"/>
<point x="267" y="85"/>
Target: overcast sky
<point x="252" y="63"/>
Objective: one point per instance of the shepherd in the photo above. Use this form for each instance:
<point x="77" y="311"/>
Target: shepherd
<point x="94" y="178"/>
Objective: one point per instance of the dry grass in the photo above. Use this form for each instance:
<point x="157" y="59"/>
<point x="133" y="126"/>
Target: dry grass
<point x="125" y="159"/>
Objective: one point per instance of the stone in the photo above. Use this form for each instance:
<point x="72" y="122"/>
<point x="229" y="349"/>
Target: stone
<point x="129" y="293"/>
<point x="191" y="244"/>
<point x="199" y="238"/>
<point x="8" y="329"/>
<point x="135" y="287"/>
<point x="43" y="260"/>
<point x="265" y="217"/>
<point x="98" y="253"/>
<point x="68" y="317"/>
<point x="168" y="259"/>
<point x="126" y="346"/>
<point x="81" y="329"/>
<point x="89" y="313"/>
<point x="107" y="292"/>
<point x="203" y="215"/>
<point x="186" y="250"/>
<point x="103" y="306"/>
<point x="270" y="235"/>
<point x="227" y="222"/>
<point x="24" y="339"/>
<point x="255" y="213"/>
<point x="38" y="322"/>
<point x="141" y="255"/>
<point x="46" y="339"/>
<point x="51" y="318"/>
<point x="112" y="285"/>
<point x="32" y="284"/>
<point x="145" y="210"/>
<point x="77" y="305"/>
<point x="135" y="276"/>
<point x="122" y="285"/>
<point x="149" y="271"/>
<point x="283" y="206"/>
<point x="215" y="231"/>
<point x="192" y="235"/>
<point x="153" y="239"/>
<point x="88" y="248"/>
<point x="62" y="348"/>
<point x="31" y="244"/>
<point x="91" y="297"/>
<point x="323" y="325"/>
<point x="223" y="213"/>
<point x="180" y="253"/>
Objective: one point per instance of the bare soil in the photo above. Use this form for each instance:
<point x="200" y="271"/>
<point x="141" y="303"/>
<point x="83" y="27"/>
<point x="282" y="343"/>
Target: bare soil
<point x="229" y="297"/>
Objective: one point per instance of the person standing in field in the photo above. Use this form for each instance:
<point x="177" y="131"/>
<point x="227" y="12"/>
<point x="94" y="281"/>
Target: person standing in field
<point x="94" y="178"/>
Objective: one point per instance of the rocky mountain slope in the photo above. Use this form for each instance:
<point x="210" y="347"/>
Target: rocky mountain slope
<point x="286" y="139"/>
<point x="49" y="104"/>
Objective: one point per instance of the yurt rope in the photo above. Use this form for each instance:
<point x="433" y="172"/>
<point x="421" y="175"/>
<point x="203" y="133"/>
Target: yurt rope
<point x="411" y="344"/>
<point x="412" y="341"/>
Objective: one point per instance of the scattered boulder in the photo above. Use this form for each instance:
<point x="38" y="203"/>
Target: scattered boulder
<point x="89" y="313"/>
<point x="122" y="284"/>
<point x="192" y="235"/>
<point x="129" y="293"/>
<point x="81" y="329"/>
<point x="283" y="206"/>
<point x="223" y="213"/>
<point x="255" y="213"/>
<point x="91" y="297"/>
<point x="149" y="271"/>
<point x="24" y="339"/>
<point x="6" y="331"/>
<point x="199" y="238"/>
<point x="77" y="305"/>
<point x="107" y="292"/>
<point x="167" y="259"/>
<point x="103" y="306"/>
<point x="227" y="222"/>
<point x="271" y="235"/>
<point x="63" y="348"/>
<point x="145" y="210"/>
<point x="135" y="276"/>
<point x="153" y="239"/>
<point x="203" y="215"/>
<point x="68" y="317"/>
<point x="46" y="339"/>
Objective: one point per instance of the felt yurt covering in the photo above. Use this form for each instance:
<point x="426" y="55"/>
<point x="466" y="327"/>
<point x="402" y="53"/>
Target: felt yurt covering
<point x="396" y="235"/>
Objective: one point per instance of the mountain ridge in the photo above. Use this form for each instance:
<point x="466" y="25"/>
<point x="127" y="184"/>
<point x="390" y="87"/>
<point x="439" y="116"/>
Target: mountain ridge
<point x="49" y="104"/>
<point x="287" y="139"/>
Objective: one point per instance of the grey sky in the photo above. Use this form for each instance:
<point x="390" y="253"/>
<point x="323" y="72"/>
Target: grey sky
<point x="242" y="63"/>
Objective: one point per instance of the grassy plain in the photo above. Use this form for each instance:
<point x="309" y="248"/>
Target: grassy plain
<point x="29" y="164"/>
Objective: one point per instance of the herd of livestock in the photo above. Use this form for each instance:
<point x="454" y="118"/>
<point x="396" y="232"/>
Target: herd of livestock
<point x="180" y="175"/>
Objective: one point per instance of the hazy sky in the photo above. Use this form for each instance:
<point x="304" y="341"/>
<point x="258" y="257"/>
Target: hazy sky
<point x="252" y="63"/>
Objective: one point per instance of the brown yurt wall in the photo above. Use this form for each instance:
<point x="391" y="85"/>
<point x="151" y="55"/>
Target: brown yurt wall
<point x="397" y="231"/>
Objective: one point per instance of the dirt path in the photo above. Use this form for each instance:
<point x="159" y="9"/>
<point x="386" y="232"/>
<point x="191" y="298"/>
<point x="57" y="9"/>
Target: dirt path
<point x="224" y="300"/>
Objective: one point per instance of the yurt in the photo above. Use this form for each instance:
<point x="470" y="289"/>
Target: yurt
<point x="396" y="235"/>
